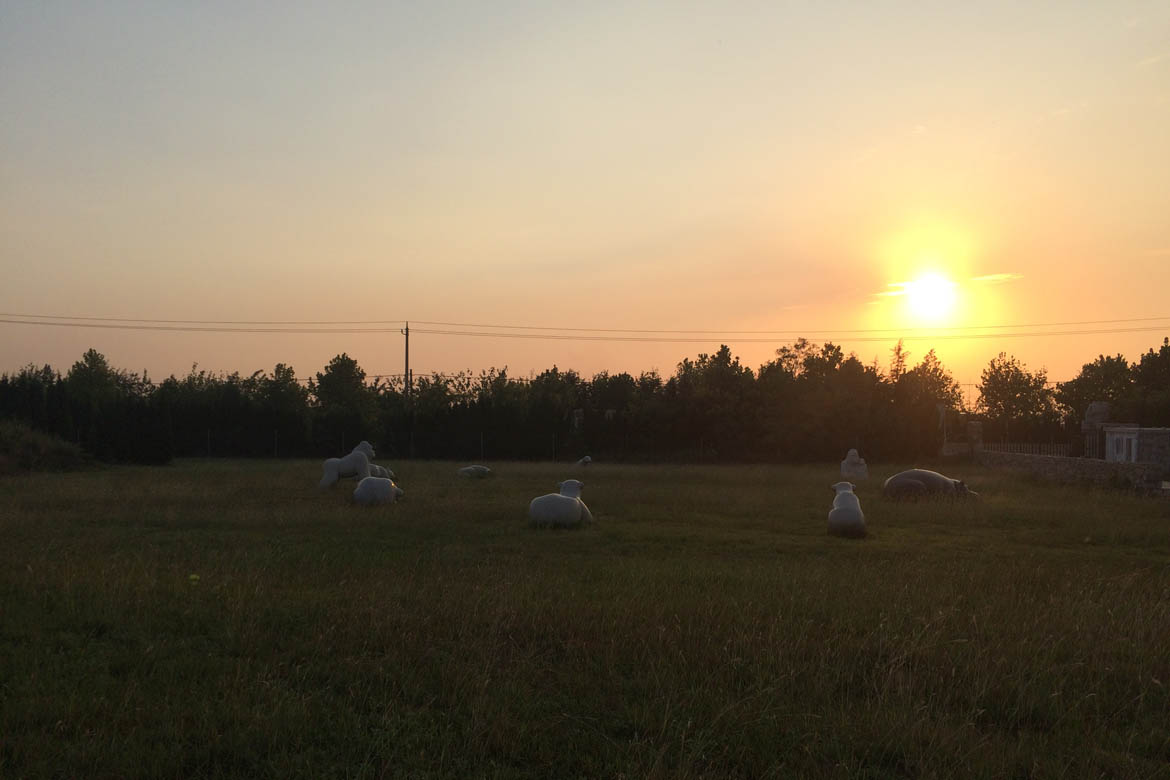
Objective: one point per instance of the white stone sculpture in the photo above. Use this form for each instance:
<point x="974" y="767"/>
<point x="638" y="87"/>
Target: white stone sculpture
<point x="560" y="510"/>
<point x="372" y="491"/>
<point x="846" y="517"/>
<point x="475" y="472"/>
<point x="853" y="467"/>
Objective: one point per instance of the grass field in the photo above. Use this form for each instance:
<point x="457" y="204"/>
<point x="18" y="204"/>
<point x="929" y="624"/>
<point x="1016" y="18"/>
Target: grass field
<point x="224" y="618"/>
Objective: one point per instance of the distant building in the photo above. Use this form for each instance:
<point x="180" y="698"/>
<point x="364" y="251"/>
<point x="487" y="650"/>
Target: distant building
<point x="1130" y="443"/>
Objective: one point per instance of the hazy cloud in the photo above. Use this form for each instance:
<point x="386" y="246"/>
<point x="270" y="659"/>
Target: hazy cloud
<point x="902" y="288"/>
<point x="899" y="289"/>
<point x="1148" y="61"/>
<point x="996" y="278"/>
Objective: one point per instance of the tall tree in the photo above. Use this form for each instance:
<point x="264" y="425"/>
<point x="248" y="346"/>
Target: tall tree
<point x="921" y="398"/>
<point x="1105" y="379"/>
<point x="898" y="358"/>
<point x="347" y="408"/>
<point x="1151" y="379"/>
<point x="931" y="380"/>
<point x="1013" y="398"/>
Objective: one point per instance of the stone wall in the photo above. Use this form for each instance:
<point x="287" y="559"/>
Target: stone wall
<point x="1144" y="476"/>
<point x="1154" y="445"/>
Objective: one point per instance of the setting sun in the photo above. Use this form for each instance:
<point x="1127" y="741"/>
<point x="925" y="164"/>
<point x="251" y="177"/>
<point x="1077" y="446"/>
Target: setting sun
<point x="931" y="297"/>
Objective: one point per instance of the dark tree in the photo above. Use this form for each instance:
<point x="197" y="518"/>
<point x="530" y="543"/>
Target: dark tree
<point x="1014" y="399"/>
<point x="346" y="407"/>
<point x="1105" y="379"/>
<point x="1150" y="403"/>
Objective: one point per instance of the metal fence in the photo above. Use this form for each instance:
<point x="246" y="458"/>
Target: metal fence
<point x="1057" y="449"/>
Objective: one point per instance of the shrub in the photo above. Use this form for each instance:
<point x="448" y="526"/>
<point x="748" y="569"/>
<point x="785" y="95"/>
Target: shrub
<point x="24" y="449"/>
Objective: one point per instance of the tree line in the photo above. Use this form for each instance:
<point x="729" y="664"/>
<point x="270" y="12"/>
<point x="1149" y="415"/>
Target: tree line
<point x="811" y="402"/>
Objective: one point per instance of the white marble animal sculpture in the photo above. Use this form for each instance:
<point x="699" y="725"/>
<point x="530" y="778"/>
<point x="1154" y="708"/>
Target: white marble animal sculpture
<point x="355" y="464"/>
<point x="373" y="491"/>
<point x="381" y="471"/>
<point x="923" y="483"/>
<point x="853" y="467"/>
<point x="585" y="461"/>
<point x="560" y="510"/>
<point x="475" y="472"/>
<point x="846" y="517"/>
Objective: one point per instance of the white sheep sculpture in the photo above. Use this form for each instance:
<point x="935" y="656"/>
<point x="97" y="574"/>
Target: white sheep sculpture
<point x="585" y="461"/>
<point x="475" y="472"/>
<point x="355" y="464"/>
<point x="381" y="471"/>
<point x="373" y="491"/>
<point x="853" y="467"/>
<point x="846" y="517"/>
<point x="560" y="510"/>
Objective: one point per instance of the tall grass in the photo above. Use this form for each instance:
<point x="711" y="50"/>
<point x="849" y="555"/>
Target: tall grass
<point x="221" y="619"/>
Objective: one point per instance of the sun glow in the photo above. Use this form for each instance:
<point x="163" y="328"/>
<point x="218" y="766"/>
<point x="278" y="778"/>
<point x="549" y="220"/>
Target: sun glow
<point x="931" y="297"/>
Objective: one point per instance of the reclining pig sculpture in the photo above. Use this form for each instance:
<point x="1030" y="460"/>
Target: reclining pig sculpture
<point x="923" y="483"/>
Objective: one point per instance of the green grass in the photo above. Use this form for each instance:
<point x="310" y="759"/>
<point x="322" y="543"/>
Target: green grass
<point x="706" y="626"/>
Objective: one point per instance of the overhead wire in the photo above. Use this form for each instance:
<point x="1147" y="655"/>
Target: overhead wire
<point x="753" y="339"/>
<point x="203" y="322"/>
<point x="20" y="318"/>
<point x="792" y="330"/>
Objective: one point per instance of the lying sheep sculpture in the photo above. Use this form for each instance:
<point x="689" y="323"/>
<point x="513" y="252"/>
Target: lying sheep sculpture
<point x="355" y="464"/>
<point x="560" y="510"/>
<point x="373" y="491"/>
<point x="922" y="483"/>
<point x="853" y="467"/>
<point x="475" y="472"/>
<point x="846" y="517"/>
<point x="380" y="471"/>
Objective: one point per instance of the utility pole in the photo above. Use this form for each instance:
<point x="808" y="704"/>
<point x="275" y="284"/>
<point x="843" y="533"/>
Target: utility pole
<point x="406" y="372"/>
<point x="406" y="386"/>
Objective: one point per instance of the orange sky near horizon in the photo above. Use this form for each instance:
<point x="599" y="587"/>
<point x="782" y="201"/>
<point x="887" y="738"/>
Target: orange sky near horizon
<point x="723" y="167"/>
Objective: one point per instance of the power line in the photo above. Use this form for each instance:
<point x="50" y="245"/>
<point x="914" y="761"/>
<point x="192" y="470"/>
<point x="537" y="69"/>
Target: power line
<point x="184" y="329"/>
<point x="205" y="322"/>
<point x="725" y="337"/>
<point x="798" y="331"/>
<point x="743" y="340"/>
<point x="718" y="332"/>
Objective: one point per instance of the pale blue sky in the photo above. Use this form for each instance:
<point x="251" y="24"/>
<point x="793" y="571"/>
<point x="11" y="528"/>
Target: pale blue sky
<point x="643" y="165"/>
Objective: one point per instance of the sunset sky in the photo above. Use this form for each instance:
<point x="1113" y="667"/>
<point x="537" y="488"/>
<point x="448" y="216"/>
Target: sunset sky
<point x="788" y="167"/>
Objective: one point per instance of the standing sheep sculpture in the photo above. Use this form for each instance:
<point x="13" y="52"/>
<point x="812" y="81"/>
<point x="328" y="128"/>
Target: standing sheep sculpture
<point x="846" y="517"/>
<point x="585" y="461"/>
<point x="355" y="464"/>
<point x="560" y="510"/>
<point x="373" y="491"/>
